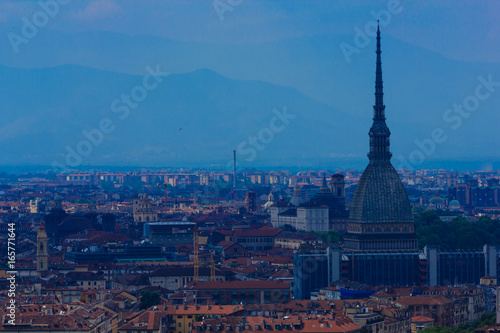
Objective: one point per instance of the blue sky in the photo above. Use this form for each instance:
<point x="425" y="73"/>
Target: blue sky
<point x="462" y="30"/>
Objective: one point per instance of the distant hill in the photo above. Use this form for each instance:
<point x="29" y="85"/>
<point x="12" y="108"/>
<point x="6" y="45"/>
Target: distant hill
<point x="47" y="108"/>
<point x="189" y="118"/>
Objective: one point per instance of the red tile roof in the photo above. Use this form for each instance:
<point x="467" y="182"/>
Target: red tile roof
<point x="262" y="232"/>
<point x="205" y="285"/>
<point x="424" y="300"/>
<point x="421" y="319"/>
<point x="149" y="320"/>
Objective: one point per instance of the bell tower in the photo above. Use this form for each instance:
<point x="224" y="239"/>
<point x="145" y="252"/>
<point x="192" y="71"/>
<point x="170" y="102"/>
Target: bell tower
<point x="338" y="185"/>
<point x="42" y="256"/>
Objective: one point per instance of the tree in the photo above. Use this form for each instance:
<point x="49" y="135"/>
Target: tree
<point x="331" y="236"/>
<point x="457" y="234"/>
<point x="135" y="185"/>
<point x="148" y="298"/>
<point x="108" y="186"/>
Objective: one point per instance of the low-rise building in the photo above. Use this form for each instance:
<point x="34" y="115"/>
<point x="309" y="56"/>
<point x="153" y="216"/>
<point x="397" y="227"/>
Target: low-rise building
<point x="437" y="307"/>
<point x="288" y="323"/>
<point x="293" y="240"/>
<point x="176" y="277"/>
<point x="145" y="322"/>
<point x="241" y="292"/>
<point x="419" y="323"/>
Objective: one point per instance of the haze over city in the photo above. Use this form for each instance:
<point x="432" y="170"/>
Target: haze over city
<point x="227" y="68"/>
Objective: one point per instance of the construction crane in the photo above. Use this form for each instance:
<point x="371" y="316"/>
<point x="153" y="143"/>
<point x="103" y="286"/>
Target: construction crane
<point x="212" y="267"/>
<point x="196" y="257"/>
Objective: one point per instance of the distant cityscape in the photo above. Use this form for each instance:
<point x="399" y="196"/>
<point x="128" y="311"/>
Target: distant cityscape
<point x="97" y="241"/>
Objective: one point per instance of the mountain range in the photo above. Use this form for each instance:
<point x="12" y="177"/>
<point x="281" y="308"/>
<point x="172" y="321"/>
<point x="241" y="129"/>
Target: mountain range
<point x="216" y="97"/>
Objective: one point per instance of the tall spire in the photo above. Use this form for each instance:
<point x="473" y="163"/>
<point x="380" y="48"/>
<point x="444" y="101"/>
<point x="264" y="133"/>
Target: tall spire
<point x="379" y="106"/>
<point x="324" y="185"/>
<point x="379" y="132"/>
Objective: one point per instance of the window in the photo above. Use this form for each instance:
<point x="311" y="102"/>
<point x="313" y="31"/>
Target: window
<point x="180" y="324"/>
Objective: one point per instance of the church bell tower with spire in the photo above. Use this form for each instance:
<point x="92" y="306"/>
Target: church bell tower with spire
<point x="42" y="256"/>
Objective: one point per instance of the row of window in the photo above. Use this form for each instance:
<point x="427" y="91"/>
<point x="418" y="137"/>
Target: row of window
<point x="255" y="240"/>
<point x="89" y="283"/>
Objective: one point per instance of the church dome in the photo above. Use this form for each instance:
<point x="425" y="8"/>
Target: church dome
<point x="436" y="200"/>
<point x="380" y="196"/>
<point x="296" y="198"/>
<point x="454" y="203"/>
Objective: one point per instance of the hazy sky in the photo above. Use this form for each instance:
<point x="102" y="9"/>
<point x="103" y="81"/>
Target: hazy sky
<point x="463" y="30"/>
<point x="434" y="54"/>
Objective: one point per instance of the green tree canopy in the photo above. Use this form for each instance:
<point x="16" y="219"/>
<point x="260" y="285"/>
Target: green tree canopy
<point x="149" y="298"/>
<point x="331" y="236"/>
<point x="457" y="234"/>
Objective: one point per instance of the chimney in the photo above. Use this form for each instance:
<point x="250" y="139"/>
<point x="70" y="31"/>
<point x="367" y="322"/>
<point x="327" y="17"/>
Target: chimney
<point x="234" y="168"/>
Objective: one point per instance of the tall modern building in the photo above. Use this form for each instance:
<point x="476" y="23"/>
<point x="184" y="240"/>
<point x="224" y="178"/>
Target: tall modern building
<point x="431" y="267"/>
<point x="380" y="214"/>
